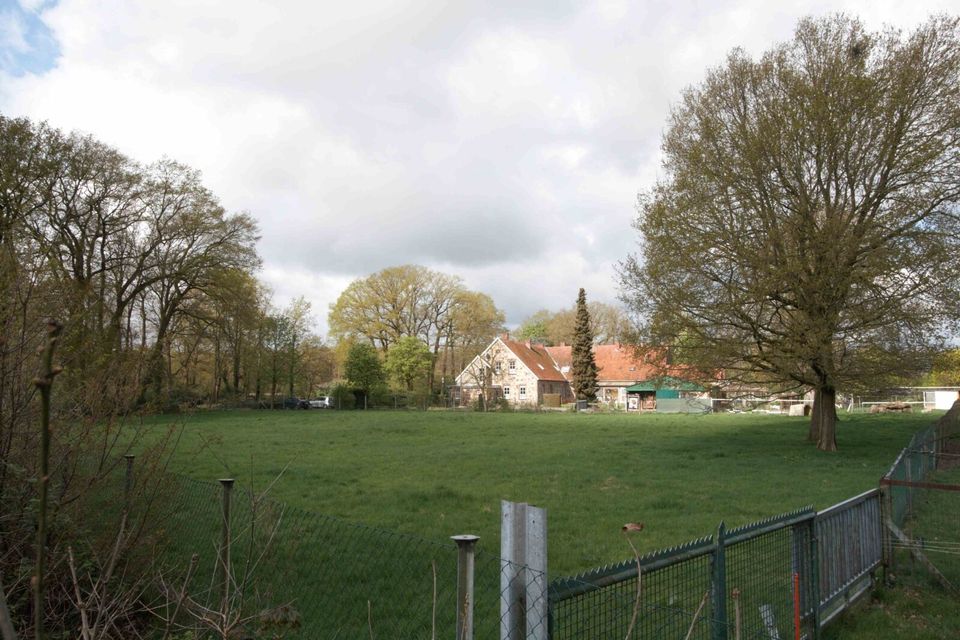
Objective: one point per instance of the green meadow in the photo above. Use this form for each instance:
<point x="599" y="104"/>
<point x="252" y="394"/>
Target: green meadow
<point x="436" y="474"/>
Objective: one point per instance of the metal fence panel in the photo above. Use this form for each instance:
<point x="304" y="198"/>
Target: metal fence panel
<point x="674" y="589"/>
<point x="850" y="543"/>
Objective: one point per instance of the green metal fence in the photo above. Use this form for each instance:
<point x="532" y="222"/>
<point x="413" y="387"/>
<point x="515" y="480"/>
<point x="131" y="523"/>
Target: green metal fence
<point x="749" y="582"/>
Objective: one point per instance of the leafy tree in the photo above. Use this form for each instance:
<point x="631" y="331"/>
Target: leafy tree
<point x="475" y="322"/>
<point x="413" y="301"/>
<point x="608" y="323"/>
<point x="363" y="369"/>
<point x="396" y="302"/>
<point x="584" y="367"/>
<point x="409" y="361"/>
<point x="806" y="232"/>
<point x="946" y="369"/>
<point x="536" y="328"/>
<point x="316" y="365"/>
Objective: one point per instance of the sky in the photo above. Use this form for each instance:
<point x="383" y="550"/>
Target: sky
<point x="503" y="142"/>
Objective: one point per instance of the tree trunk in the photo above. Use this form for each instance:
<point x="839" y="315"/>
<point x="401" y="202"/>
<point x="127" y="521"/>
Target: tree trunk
<point x="814" y="434"/>
<point x="827" y="412"/>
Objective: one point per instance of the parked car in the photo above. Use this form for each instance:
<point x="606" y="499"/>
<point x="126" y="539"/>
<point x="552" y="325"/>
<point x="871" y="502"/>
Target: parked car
<point x="323" y="402"/>
<point x="295" y="403"/>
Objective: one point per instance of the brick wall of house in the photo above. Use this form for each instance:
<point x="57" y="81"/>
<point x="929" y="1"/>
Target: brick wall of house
<point x="519" y="377"/>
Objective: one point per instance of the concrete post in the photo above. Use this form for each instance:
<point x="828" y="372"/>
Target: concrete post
<point x="524" y="602"/>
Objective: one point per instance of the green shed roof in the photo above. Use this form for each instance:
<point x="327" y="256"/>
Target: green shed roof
<point x="666" y="382"/>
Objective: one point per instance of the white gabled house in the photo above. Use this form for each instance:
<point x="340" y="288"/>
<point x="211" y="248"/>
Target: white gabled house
<point x="527" y="374"/>
<point x="519" y="372"/>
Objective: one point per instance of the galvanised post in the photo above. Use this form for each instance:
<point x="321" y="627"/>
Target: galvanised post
<point x="227" y="485"/>
<point x="466" y="545"/>
<point x="718" y="587"/>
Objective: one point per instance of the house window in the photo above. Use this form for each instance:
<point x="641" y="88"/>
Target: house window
<point x="512" y="366"/>
<point x="506" y="392"/>
<point x="523" y="392"/>
<point x="496" y="367"/>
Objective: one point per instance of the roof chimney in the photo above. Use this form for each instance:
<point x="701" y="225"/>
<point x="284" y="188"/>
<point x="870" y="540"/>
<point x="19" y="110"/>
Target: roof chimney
<point x="528" y="344"/>
<point x="504" y="336"/>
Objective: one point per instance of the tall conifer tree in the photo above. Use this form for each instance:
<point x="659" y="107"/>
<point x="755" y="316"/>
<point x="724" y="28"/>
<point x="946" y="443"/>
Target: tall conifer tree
<point x="584" y="365"/>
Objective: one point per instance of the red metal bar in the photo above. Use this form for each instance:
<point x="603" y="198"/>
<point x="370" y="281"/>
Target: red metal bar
<point x="796" y="606"/>
<point x="920" y="485"/>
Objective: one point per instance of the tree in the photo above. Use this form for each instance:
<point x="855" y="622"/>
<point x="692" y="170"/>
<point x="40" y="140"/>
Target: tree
<point x="608" y="323"/>
<point x="946" y="369"/>
<point x="412" y="301"/>
<point x="474" y="323"/>
<point x="363" y="369"/>
<point x="536" y="328"/>
<point x="806" y="232"/>
<point x="408" y="361"/>
<point x="584" y="366"/>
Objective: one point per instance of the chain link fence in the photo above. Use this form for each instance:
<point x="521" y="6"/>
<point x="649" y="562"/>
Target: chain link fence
<point x="231" y="562"/>
<point x="268" y="570"/>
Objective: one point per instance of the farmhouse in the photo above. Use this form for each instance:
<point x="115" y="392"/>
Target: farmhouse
<point x="522" y="373"/>
<point x="531" y="374"/>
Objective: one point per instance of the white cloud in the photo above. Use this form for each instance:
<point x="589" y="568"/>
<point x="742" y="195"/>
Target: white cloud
<point x="501" y="141"/>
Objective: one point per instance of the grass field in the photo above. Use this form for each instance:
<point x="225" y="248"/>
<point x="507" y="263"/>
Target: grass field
<point x="436" y="474"/>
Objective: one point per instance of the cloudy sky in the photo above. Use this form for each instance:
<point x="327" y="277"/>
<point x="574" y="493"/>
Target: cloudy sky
<point x="504" y="142"/>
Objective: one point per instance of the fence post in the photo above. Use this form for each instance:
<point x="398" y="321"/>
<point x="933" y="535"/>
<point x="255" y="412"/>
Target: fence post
<point x="524" y="602"/>
<point x="227" y="488"/>
<point x="465" y="546"/>
<point x="815" y="578"/>
<point x="886" y="519"/>
<point x="909" y="468"/>
<point x="718" y="587"/>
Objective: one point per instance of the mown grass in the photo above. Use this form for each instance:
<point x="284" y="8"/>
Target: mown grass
<point x="436" y="474"/>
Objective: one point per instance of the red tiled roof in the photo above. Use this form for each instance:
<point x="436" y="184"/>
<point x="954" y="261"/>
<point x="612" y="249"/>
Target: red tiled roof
<point x="535" y="357"/>
<point x="615" y="362"/>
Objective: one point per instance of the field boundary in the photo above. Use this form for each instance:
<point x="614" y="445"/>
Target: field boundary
<point x="833" y="556"/>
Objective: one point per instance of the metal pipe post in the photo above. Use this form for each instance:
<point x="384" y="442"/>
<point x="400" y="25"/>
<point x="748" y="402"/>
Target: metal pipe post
<point x="466" y="546"/>
<point x="718" y="590"/>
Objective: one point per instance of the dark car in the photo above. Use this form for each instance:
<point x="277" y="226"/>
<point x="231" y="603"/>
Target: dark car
<point x="295" y="403"/>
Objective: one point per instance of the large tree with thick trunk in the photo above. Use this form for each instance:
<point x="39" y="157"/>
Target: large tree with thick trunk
<point x="805" y="233"/>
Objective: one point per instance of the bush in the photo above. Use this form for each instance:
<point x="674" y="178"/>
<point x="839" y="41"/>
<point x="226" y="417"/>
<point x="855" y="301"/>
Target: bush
<point x="343" y="397"/>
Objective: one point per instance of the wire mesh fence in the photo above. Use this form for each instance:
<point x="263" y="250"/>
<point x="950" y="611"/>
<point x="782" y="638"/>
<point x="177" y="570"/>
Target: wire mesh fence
<point x="610" y="602"/>
<point x="253" y="567"/>
<point x="751" y="582"/>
